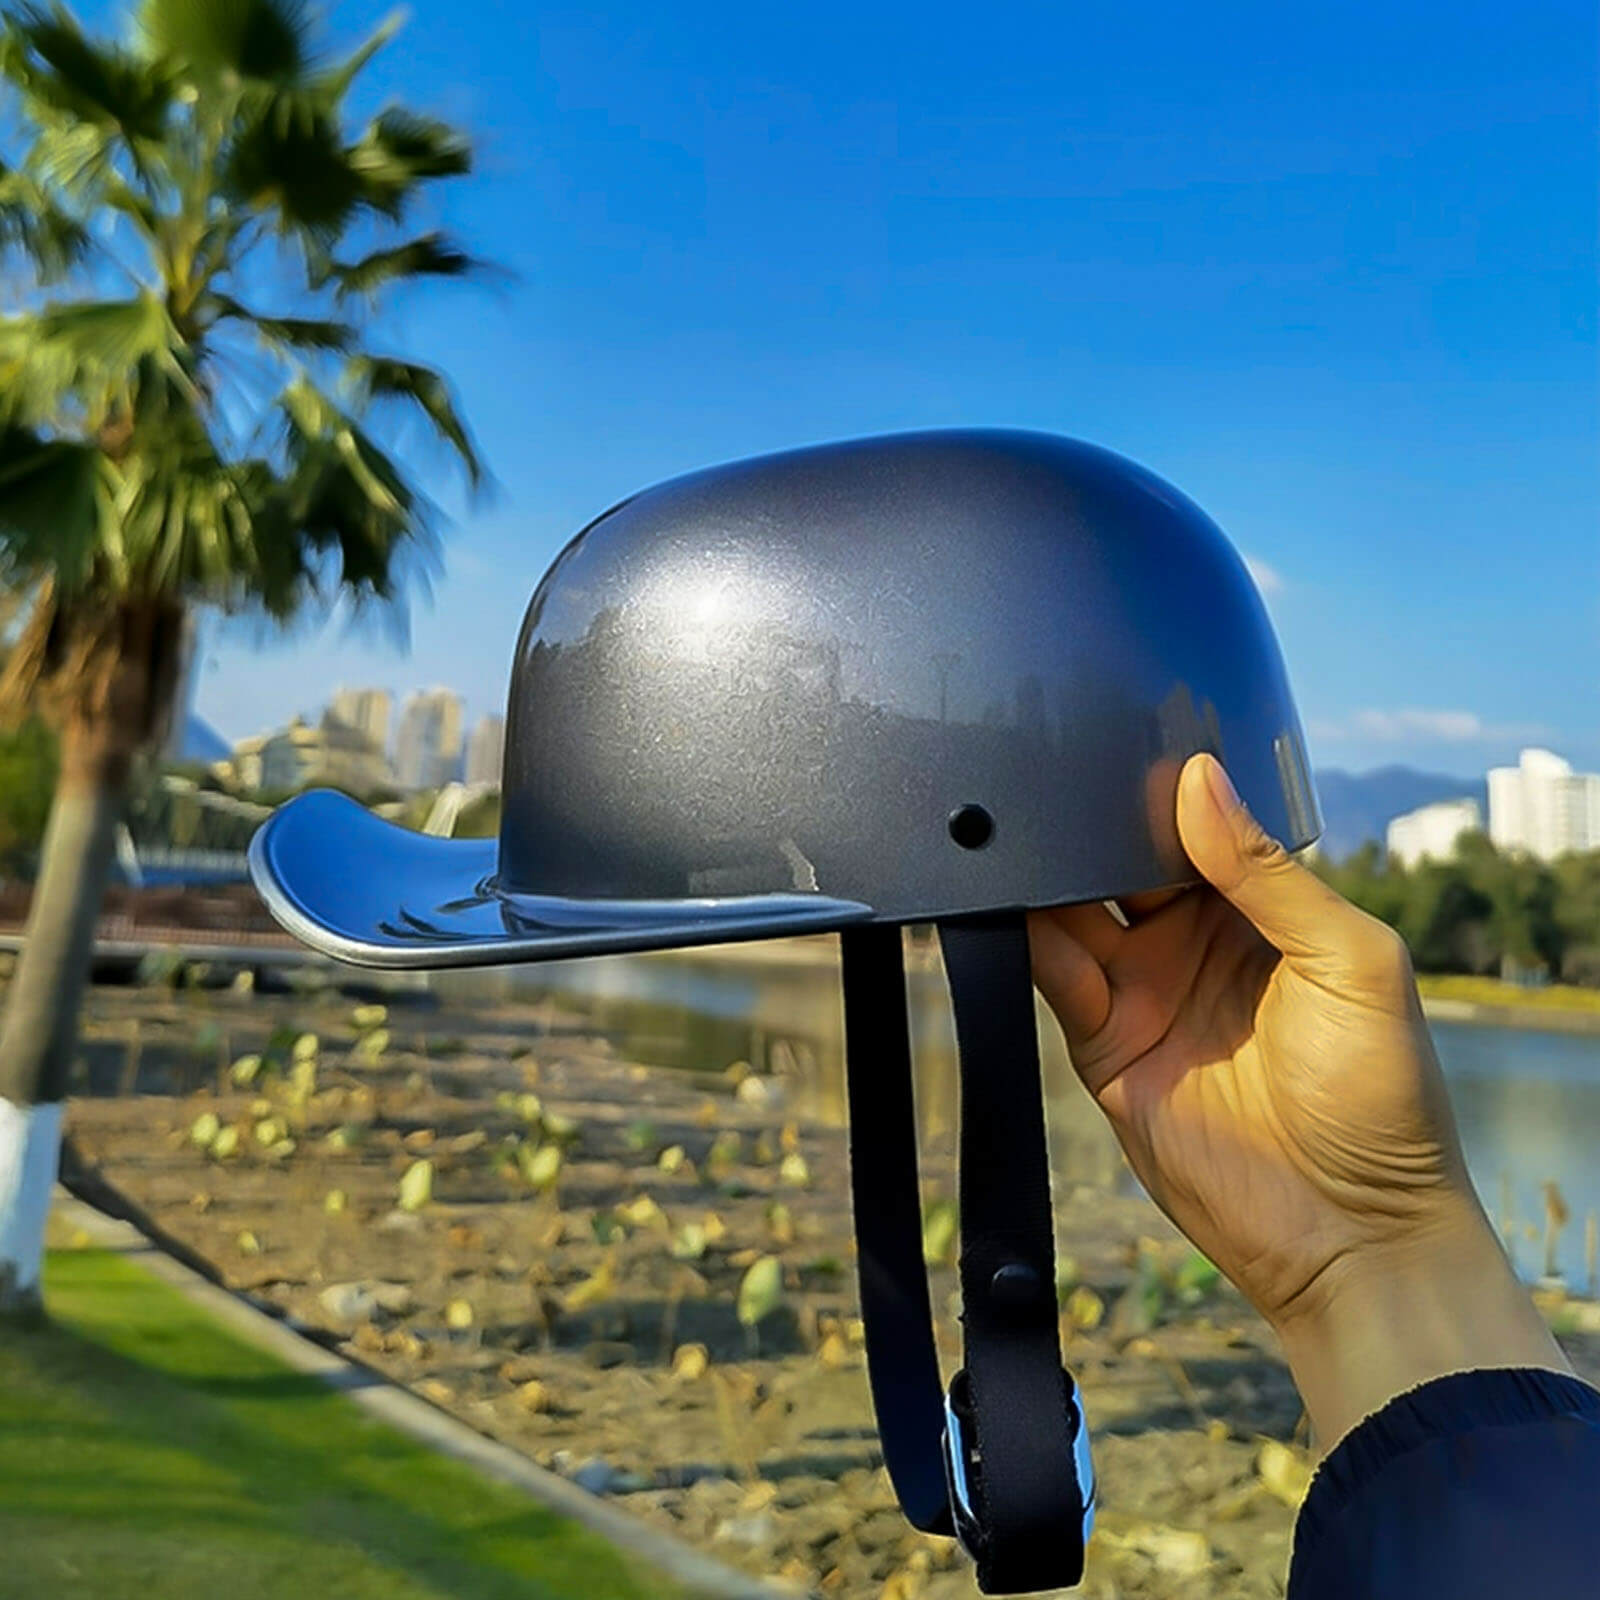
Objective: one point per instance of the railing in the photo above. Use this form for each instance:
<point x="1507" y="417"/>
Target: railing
<point x="216" y="918"/>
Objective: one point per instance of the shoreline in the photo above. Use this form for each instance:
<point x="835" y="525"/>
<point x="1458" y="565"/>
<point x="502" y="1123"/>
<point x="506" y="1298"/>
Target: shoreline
<point x="1481" y="1002"/>
<point x="1484" y="1008"/>
<point x="1497" y="1013"/>
<point x="1441" y="1008"/>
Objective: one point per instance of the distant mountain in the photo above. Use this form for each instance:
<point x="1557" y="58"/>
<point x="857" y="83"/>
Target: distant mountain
<point x="201" y="742"/>
<point x="1357" y="806"/>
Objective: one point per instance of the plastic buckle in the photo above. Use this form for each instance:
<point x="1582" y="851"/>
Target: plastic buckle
<point x="962" y="1464"/>
<point x="960" y="1467"/>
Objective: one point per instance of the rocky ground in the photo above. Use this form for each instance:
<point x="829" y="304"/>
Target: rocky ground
<point x="644" y="1279"/>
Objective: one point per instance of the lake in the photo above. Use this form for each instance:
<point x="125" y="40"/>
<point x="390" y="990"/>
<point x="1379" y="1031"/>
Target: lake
<point x="1528" y="1107"/>
<point x="1527" y="1103"/>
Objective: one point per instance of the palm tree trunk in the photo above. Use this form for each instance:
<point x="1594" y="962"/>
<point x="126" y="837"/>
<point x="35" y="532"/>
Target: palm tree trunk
<point x="39" y="1036"/>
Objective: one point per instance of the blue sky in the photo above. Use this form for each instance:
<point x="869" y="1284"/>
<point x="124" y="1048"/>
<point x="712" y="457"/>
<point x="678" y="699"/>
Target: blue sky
<point x="1331" y="269"/>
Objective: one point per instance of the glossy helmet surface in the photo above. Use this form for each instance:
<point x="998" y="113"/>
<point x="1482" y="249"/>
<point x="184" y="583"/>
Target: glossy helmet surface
<point x="893" y="679"/>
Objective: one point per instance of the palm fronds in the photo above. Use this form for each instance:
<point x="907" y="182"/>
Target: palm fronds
<point x="268" y="41"/>
<point x="182" y="439"/>
<point x="429" y="255"/>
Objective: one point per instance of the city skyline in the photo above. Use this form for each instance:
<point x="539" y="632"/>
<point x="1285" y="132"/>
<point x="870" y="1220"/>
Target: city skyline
<point x="1541" y="807"/>
<point x="348" y="739"/>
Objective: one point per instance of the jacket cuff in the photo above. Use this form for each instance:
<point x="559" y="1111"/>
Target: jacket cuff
<point x="1455" y="1403"/>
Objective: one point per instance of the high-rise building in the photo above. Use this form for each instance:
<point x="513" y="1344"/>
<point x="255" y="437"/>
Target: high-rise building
<point x="365" y="710"/>
<point x="427" y="752"/>
<point x="242" y="768"/>
<point x="330" y="753"/>
<point x="1542" y="808"/>
<point x="1431" y="833"/>
<point x="486" y="750"/>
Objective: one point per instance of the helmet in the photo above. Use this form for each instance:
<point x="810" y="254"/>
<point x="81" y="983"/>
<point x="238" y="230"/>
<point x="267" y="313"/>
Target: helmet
<point x="932" y="677"/>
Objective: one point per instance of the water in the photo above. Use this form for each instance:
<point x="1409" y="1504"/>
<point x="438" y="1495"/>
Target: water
<point x="1527" y="1103"/>
<point x="1528" y="1107"/>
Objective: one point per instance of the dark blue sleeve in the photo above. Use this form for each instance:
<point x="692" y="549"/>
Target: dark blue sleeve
<point x="1473" y="1486"/>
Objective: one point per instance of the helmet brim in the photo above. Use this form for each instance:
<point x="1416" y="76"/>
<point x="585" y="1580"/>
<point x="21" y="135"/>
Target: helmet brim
<point x="363" y="890"/>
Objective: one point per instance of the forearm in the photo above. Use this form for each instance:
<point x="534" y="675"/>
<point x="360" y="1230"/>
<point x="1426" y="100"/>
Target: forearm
<point x="1387" y="1325"/>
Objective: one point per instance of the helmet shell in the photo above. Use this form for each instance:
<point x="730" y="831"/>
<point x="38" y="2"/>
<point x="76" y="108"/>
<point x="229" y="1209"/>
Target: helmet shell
<point x="935" y="673"/>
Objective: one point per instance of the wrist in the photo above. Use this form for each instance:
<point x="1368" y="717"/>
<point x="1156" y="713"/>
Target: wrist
<point x="1388" y="1319"/>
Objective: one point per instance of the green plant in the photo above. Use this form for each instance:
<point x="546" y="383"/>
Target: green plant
<point x="939" y="1233"/>
<point x="416" y="1186"/>
<point x="541" y="1167"/>
<point x="640" y="1136"/>
<point x="760" y="1294"/>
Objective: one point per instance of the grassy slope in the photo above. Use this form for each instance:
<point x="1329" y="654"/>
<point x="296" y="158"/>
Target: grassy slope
<point x="145" y="1452"/>
<point x="1491" y="992"/>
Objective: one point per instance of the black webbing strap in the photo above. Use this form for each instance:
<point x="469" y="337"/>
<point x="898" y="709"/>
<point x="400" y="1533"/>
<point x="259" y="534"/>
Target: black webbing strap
<point x="1024" y="1425"/>
<point x="902" y="1361"/>
<point x="1025" y="1531"/>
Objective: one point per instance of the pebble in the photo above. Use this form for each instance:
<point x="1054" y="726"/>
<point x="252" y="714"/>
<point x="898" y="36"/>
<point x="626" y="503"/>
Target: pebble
<point x="1284" y="1471"/>
<point x="1178" y="1551"/>
<point x="596" y="1476"/>
<point x="534" y="1395"/>
<point x="753" y="1528"/>
<point x="755" y="1092"/>
<point x="357" y="1301"/>
<point x="368" y="1337"/>
<point x="689" y="1361"/>
<point x="834" y="1353"/>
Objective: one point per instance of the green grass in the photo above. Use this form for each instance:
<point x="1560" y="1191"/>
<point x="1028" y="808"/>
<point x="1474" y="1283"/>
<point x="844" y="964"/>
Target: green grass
<point x="1491" y="992"/>
<point x="147" y="1454"/>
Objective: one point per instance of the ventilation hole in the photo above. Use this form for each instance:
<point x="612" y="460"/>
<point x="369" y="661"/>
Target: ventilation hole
<point x="971" y="827"/>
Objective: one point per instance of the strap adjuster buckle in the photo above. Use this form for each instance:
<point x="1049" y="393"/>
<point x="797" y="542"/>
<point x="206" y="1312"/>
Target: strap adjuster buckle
<point x="963" y="1465"/>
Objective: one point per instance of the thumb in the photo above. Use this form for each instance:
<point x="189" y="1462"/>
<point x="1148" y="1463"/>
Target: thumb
<point x="1287" y="904"/>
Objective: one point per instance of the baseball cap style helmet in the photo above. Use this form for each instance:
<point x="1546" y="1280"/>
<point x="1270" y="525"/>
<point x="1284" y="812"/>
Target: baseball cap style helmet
<point x="934" y="677"/>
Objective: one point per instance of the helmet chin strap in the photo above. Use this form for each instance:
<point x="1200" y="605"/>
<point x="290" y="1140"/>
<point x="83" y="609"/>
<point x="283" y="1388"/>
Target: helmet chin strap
<point x="1002" y="1459"/>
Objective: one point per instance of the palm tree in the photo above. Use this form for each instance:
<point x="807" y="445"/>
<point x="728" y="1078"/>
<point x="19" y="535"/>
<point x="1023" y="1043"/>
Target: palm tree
<point x="197" y="237"/>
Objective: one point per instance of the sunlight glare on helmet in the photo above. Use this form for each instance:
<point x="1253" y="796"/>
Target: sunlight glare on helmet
<point x="710" y="605"/>
<point x="701" y="611"/>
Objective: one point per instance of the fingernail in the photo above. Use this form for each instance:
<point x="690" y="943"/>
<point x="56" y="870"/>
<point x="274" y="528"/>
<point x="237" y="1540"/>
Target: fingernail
<point x="1222" y="789"/>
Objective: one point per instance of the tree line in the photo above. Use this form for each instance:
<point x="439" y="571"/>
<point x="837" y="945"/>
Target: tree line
<point x="1484" y="911"/>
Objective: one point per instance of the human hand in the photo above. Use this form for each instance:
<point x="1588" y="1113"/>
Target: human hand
<point x="1259" y="1048"/>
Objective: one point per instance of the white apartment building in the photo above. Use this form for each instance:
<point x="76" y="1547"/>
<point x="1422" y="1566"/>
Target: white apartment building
<point x="1430" y="833"/>
<point x="304" y="756"/>
<point x="365" y="710"/>
<point x="486" y="751"/>
<point x="1542" y="807"/>
<point x="427" y="752"/>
